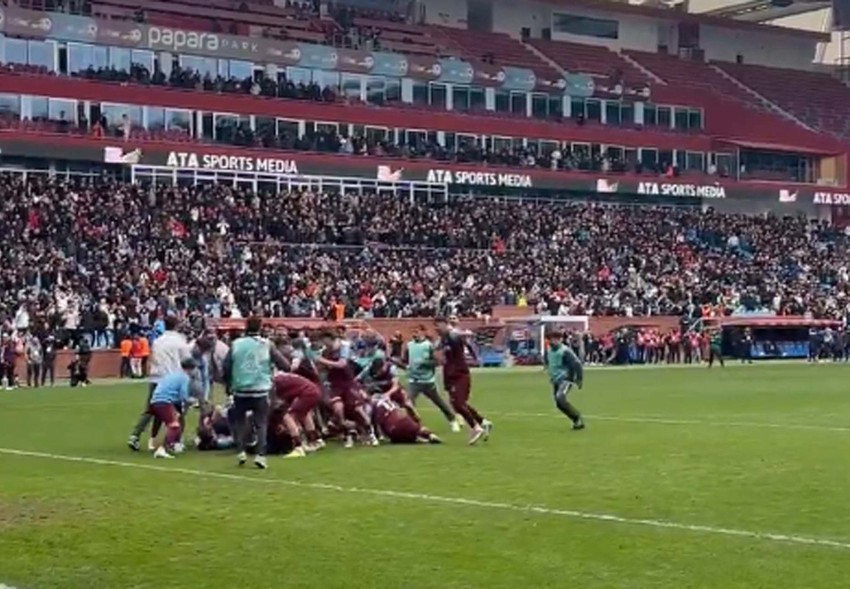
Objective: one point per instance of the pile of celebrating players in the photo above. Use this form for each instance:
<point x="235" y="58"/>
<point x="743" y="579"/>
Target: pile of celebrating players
<point x="292" y="395"/>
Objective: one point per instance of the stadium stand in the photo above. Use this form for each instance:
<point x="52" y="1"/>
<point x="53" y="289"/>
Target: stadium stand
<point x="220" y="250"/>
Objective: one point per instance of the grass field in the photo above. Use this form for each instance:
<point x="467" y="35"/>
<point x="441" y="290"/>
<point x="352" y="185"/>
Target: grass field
<point x="685" y="478"/>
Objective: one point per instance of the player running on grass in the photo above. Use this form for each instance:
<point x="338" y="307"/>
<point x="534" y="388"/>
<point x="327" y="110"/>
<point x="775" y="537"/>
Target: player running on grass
<point x="457" y="380"/>
<point x="418" y="356"/>
<point x="715" y="348"/>
<point x="565" y="370"/>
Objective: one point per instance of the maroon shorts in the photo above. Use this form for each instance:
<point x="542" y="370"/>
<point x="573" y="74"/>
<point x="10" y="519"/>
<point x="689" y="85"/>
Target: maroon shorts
<point x="165" y="412"/>
<point x="458" y="387"/>
<point x="304" y="403"/>
<point x="401" y="429"/>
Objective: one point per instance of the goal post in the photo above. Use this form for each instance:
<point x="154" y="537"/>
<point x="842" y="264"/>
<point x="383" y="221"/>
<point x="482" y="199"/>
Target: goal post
<point x="539" y="326"/>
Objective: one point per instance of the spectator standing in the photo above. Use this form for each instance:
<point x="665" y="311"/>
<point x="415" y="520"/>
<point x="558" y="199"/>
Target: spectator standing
<point x="48" y="362"/>
<point x="35" y="359"/>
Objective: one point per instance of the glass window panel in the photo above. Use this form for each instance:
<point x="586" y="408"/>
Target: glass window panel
<point x="437" y="95"/>
<point x="190" y="62"/>
<point x="695" y="119"/>
<point x="414" y="138"/>
<point x="99" y="57"/>
<point x="450" y="141"/>
<point x="649" y="157"/>
<point x="39" y="108"/>
<point x="375" y="134"/>
<point x="460" y="97"/>
<point x="477" y="101"/>
<point x="612" y="112"/>
<point x="10" y="104"/>
<point x="79" y="57"/>
<point x="176" y="118"/>
<point x="119" y="58"/>
<point x="572" y="24"/>
<point x="393" y="90"/>
<point x="288" y="128"/>
<point x="114" y="114"/>
<point x="299" y="75"/>
<point x="240" y="69"/>
<point x="374" y="90"/>
<point x="681" y="119"/>
<point x="695" y="160"/>
<point x="664" y="115"/>
<point x="156" y="118"/>
<point x="594" y="110"/>
<point x="352" y="85"/>
<point x="518" y="101"/>
<point x="503" y="101"/>
<point x="556" y="106"/>
<point x="650" y="115"/>
<point x="59" y="109"/>
<point x="577" y="108"/>
<point x="145" y="58"/>
<point x="420" y="93"/>
<point x="16" y="51"/>
<point x="42" y="53"/>
<point x="226" y="126"/>
<point x="547" y="147"/>
<point x="627" y="113"/>
<point x="539" y="106"/>
<point x="500" y="143"/>
<point x="222" y="68"/>
<point x="326" y="79"/>
<point x="665" y="157"/>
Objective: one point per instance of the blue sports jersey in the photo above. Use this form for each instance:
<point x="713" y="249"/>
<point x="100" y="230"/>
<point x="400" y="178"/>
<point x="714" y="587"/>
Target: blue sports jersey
<point x="172" y="388"/>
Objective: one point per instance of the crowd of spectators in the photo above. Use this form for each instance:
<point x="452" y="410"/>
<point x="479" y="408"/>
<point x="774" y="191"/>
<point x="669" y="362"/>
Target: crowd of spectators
<point x="95" y="253"/>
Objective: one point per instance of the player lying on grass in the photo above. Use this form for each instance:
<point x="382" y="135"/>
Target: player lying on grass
<point x="170" y="397"/>
<point x="215" y="430"/>
<point x="397" y="425"/>
<point x="565" y="370"/>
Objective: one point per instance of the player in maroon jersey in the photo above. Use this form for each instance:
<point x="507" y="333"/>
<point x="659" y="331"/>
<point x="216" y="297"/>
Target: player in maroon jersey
<point x="383" y="382"/>
<point x="297" y="397"/>
<point x="397" y="425"/>
<point x="346" y="399"/>
<point x="457" y="379"/>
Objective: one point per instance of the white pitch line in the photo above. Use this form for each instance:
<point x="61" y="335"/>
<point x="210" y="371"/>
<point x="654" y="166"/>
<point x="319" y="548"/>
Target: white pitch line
<point x="674" y="421"/>
<point x="537" y="509"/>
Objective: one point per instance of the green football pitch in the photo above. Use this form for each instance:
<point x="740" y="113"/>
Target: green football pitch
<point x="684" y="478"/>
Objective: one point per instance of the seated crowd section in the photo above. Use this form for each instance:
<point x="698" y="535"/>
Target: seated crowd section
<point x="89" y="247"/>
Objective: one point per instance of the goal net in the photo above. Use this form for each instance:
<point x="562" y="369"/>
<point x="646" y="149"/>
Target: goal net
<point x="526" y="336"/>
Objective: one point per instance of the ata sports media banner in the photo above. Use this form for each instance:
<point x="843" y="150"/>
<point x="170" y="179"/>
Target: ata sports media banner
<point x="560" y="184"/>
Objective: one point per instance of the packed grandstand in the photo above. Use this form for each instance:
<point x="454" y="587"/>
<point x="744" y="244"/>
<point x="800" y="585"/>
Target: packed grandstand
<point x="416" y="160"/>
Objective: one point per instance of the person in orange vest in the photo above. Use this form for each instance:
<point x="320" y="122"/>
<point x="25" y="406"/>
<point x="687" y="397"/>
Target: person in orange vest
<point x="136" y="356"/>
<point x="145" y="354"/>
<point x="125" y="346"/>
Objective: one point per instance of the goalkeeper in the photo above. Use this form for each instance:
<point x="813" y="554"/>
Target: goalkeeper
<point x="565" y="370"/>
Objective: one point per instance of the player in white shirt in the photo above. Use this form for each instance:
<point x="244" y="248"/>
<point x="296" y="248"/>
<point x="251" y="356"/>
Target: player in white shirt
<point x="167" y="354"/>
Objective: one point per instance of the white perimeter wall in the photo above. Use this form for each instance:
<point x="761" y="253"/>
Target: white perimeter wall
<point x="644" y="34"/>
<point x="757" y="48"/>
<point x="446" y="13"/>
